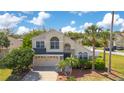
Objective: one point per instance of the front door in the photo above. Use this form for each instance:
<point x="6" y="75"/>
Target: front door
<point x="67" y="55"/>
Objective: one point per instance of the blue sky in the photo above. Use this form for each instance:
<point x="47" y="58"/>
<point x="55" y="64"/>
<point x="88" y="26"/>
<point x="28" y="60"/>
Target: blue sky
<point x="24" y="21"/>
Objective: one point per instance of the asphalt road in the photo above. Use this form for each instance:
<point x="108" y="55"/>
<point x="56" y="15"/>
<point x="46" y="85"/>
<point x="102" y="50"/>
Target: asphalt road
<point x="113" y="52"/>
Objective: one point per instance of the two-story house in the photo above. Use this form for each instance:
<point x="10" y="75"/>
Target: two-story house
<point x="14" y="43"/>
<point x="53" y="46"/>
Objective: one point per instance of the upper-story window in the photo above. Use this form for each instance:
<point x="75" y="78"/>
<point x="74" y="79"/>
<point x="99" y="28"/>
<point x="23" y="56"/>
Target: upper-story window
<point x="54" y="43"/>
<point x="39" y="44"/>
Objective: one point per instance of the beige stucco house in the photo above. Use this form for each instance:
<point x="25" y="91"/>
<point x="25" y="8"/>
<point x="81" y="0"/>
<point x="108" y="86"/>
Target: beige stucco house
<point x="14" y="43"/>
<point x="53" y="46"/>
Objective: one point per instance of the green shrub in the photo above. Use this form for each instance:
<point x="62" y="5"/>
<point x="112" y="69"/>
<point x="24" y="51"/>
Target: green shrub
<point x="85" y="64"/>
<point x="19" y="60"/>
<point x="62" y="64"/>
<point x="99" y="64"/>
<point x="70" y="61"/>
<point x="88" y="65"/>
<point x="73" y="62"/>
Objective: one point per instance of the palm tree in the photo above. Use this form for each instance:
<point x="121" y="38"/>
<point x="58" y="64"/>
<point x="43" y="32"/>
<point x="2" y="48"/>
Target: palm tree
<point x="91" y="34"/>
<point x="111" y="32"/>
<point x="104" y="35"/>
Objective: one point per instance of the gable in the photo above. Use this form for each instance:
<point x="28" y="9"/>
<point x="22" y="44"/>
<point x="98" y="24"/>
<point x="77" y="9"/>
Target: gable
<point x="48" y="34"/>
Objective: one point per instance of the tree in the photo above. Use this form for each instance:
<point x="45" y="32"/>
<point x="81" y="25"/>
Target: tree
<point x="104" y="38"/>
<point x="4" y="42"/>
<point x="19" y="60"/>
<point x="91" y="34"/>
<point x="74" y="35"/>
<point x="111" y="33"/>
<point x="28" y="37"/>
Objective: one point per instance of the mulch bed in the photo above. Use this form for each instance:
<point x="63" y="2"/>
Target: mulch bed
<point x="88" y="75"/>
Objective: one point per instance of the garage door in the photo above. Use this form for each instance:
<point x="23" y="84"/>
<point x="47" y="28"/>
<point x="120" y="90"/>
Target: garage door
<point x="46" y="60"/>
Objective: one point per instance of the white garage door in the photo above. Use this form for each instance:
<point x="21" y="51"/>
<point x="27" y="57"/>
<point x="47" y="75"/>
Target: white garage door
<point x="46" y="60"/>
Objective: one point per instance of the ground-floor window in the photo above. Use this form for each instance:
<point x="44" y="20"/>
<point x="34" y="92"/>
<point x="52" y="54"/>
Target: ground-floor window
<point x="83" y="55"/>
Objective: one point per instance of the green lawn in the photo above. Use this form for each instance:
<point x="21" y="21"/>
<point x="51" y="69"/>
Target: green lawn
<point x="121" y="51"/>
<point x="117" y="62"/>
<point x="4" y="74"/>
<point x="99" y="48"/>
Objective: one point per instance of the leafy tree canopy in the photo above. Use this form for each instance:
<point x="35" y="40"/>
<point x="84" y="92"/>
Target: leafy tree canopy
<point x="28" y="37"/>
<point x="18" y="59"/>
<point x="4" y="42"/>
<point x="74" y="35"/>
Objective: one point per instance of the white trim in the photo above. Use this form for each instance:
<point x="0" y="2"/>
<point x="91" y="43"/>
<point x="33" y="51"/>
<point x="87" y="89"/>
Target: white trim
<point x="49" y="55"/>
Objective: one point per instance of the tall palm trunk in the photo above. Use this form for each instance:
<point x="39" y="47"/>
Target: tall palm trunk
<point x="110" y="47"/>
<point x="104" y="55"/>
<point x="93" y="64"/>
<point x="0" y="52"/>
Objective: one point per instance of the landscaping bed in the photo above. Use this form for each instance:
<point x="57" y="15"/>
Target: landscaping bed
<point x="88" y="75"/>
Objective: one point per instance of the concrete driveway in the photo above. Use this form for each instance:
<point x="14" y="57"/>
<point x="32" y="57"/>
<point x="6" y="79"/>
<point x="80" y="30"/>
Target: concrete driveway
<point x="41" y="74"/>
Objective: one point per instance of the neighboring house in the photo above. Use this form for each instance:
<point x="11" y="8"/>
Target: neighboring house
<point x="119" y="39"/>
<point x="53" y="46"/>
<point x="14" y="43"/>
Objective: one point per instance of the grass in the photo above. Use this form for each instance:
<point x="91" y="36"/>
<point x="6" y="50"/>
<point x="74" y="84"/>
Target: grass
<point x="4" y="74"/>
<point x="121" y="51"/>
<point x="117" y="62"/>
<point x="99" y="48"/>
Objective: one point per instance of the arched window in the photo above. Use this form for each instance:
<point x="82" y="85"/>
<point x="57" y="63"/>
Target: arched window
<point x="67" y="47"/>
<point x="85" y="55"/>
<point x="80" y="55"/>
<point x="54" y="43"/>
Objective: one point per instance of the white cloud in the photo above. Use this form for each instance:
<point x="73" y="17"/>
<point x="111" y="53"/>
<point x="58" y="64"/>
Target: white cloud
<point x="122" y="27"/>
<point x="9" y="20"/>
<point x="85" y="25"/>
<point x="72" y="22"/>
<point x="68" y="29"/>
<point x="22" y="30"/>
<point x="107" y="20"/>
<point x="27" y="12"/>
<point x="39" y="20"/>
